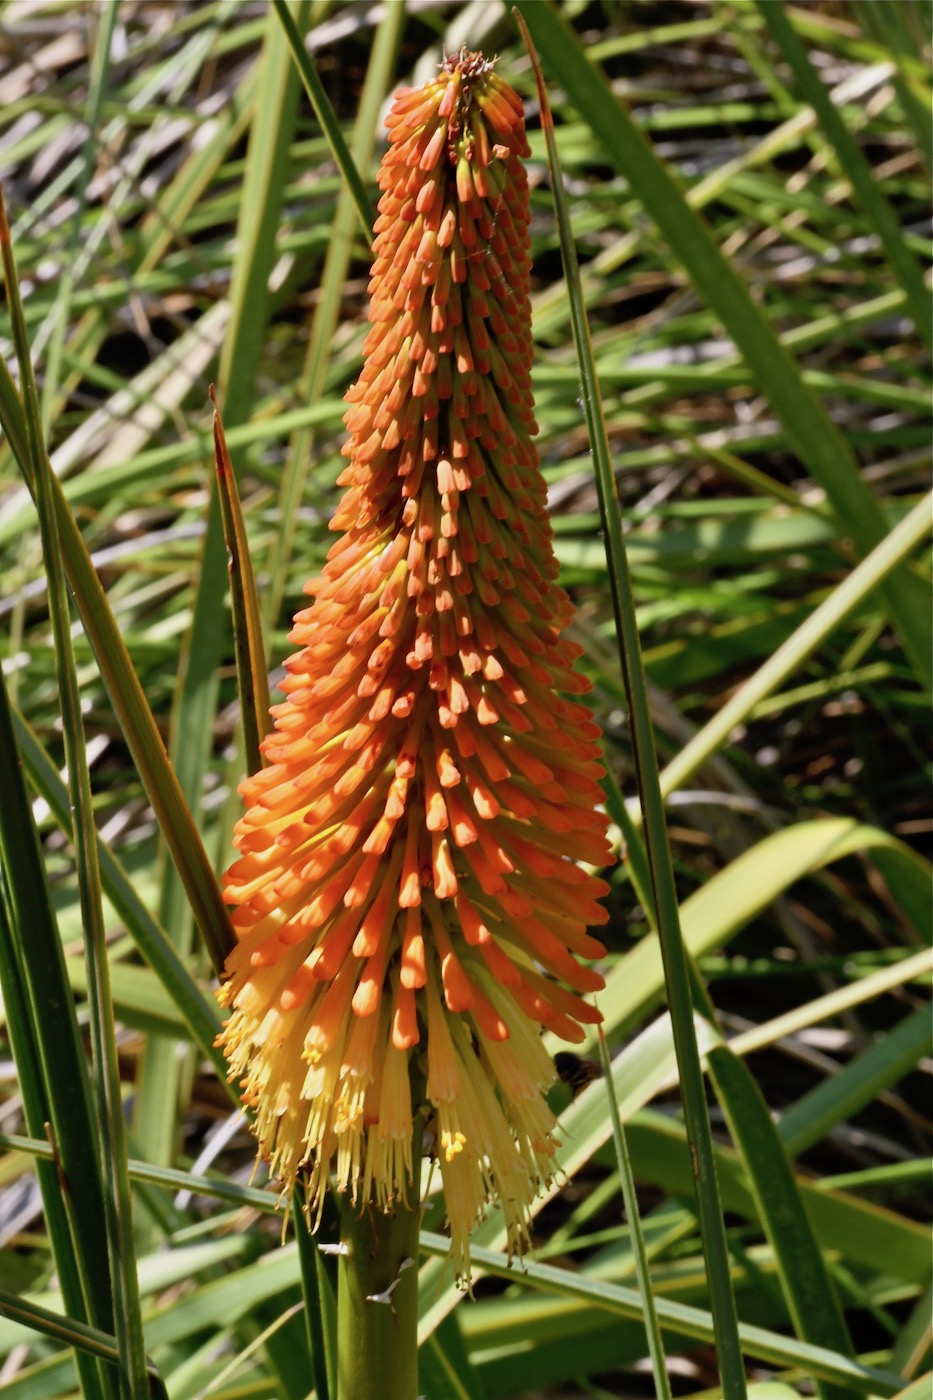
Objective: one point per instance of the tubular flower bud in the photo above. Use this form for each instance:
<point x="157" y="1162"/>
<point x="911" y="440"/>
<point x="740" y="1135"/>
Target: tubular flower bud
<point x="408" y="900"/>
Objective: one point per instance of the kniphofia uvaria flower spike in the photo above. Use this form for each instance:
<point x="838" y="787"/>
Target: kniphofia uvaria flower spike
<point x="409" y="906"/>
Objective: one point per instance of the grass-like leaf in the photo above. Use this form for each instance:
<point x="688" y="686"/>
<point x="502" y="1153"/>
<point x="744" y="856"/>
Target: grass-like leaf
<point x="662" y="1385"/>
<point x="808" y="1288"/>
<point x="325" y="115"/>
<point x="683" y="1320"/>
<point x="807" y="428"/>
<point x="664" y="892"/>
<point x="252" y="677"/>
<point x="905" y="266"/>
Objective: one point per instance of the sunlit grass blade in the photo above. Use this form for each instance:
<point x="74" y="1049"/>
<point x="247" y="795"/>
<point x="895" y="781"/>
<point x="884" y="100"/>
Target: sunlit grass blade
<point x="662" y="1386"/>
<point x="732" y="1371"/>
<point x="252" y="677"/>
<point x="680" y="1319"/>
<point x="25" y="1042"/>
<point x="198" y="1011"/>
<point x="99" y="76"/>
<point x="128" y="700"/>
<point x="893" y="550"/>
<point x="870" y="195"/>
<point x="325" y="115"/>
<point x="87" y="1340"/>
<point x="858" y="1083"/>
<point x="919" y="1389"/>
<point x="913" y="1348"/>
<point x="806" y="1284"/>
<point x="106" y="1071"/>
<point x="633" y="846"/>
<point x="900" y="973"/>
<point x="902" y="32"/>
<point x="809" y="432"/>
<point x="732" y="897"/>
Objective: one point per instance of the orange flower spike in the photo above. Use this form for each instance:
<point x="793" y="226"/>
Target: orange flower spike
<point x="406" y="892"/>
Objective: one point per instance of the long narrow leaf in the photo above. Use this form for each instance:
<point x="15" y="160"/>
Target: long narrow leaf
<point x="199" y="1012"/>
<point x="112" y="1135"/>
<point x="732" y="1370"/>
<point x="129" y="702"/>
<point x="25" y="1043"/>
<point x="853" y="162"/>
<point x="325" y="115"/>
<point x="678" y="1318"/>
<point x="893" y="549"/>
<point x="662" y="1385"/>
<point x="86" y="1341"/>
<point x="252" y="677"/>
<point x="809" y="431"/>
<point x="805" y="1281"/>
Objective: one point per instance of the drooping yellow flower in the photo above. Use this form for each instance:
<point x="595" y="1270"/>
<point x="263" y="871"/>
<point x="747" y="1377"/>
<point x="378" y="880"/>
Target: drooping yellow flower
<point x="408" y="903"/>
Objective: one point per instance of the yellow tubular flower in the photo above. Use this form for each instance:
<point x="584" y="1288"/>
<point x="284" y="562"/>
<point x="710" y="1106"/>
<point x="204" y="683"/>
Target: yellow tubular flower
<point x="407" y="896"/>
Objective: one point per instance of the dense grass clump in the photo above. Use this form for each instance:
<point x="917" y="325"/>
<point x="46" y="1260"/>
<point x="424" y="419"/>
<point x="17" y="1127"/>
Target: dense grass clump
<point x="748" y="194"/>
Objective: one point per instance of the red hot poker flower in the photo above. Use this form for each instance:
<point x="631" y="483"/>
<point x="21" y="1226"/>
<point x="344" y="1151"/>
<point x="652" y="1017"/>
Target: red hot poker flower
<point x="408" y="894"/>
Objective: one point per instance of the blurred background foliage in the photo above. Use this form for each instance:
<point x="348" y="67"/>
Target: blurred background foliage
<point x="177" y="220"/>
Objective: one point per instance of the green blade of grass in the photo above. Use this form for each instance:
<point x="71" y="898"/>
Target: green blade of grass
<point x="892" y="551"/>
<point x="902" y="261"/>
<point x="662" y="1386"/>
<point x="807" y="1287"/>
<point x="732" y="1370"/>
<point x="25" y="1043"/>
<point x="678" y="1318"/>
<point x="325" y="115"/>
<point x="809" y="431"/>
<point x="199" y="1012"/>
<point x="112" y="1139"/>
<point x="842" y="1095"/>
<point x="919" y="1389"/>
<point x="129" y="702"/>
<point x="252" y="677"/>
<point x="88" y="1341"/>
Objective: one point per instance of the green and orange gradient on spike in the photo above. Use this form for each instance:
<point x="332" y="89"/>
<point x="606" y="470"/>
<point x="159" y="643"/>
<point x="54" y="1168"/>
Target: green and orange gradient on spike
<point x="408" y="900"/>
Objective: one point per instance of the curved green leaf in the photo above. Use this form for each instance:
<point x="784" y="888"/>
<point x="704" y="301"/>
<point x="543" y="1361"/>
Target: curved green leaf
<point x="805" y="1280"/>
<point x="809" y="431"/>
<point x="736" y="895"/>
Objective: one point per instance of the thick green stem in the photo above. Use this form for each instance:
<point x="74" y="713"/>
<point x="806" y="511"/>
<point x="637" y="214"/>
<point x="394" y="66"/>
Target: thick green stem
<point x="377" y="1301"/>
